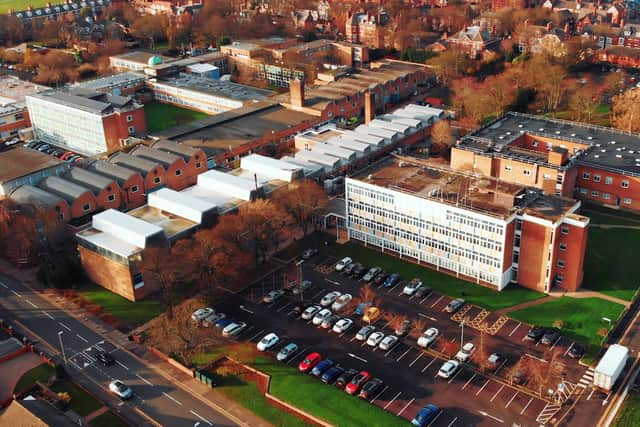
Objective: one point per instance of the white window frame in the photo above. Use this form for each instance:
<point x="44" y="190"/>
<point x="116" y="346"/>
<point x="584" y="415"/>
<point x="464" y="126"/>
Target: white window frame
<point x="564" y="230"/>
<point x="562" y="246"/>
<point x="624" y="184"/>
<point x="596" y="178"/>
<point x="627" y="201"/>
<point x="560" y="263"/>
<point x="586" y="176"/>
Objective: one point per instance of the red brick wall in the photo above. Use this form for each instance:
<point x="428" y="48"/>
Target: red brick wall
<point x="573" y="256"/>
<point x="616" y="192"/>
<point x="532" y="262"/>
<point x="116" y="126"/>
<point x="508" y="245"/>
<point x="102" y="199"/>
<point x="131" y="199"/>
<point x="150" y="180"/>
<point x="87" y="198"/>
<point x="174" y="181"/>
<point x="107" y="273"/>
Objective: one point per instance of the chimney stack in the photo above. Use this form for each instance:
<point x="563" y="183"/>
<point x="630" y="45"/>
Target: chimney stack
<point x="369" y="109"/>
<point x="296" y="92"/>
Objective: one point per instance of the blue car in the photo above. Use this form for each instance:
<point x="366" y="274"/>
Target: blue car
<point x="331" y="374"/>
<point x="391" y="280"/>
<point x="425" y="415"/>
<point x="321" y="367"/>
<point x="222" y="323"/>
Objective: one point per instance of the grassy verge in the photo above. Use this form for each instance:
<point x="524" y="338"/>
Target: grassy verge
<point x="164" y="116"/>
<point x="108" y="419"/>
<point x="81" y="401"/>
<point x="40" y="373"/>
<point x="603" y="215"/>
<point x="448" y="285"/>
<point x="582" y="316"/>
<point x="610" y="264"/>
<point x="629" y="415"/>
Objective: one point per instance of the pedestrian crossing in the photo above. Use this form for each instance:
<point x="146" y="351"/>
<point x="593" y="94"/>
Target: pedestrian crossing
<point x="587" y="378"/>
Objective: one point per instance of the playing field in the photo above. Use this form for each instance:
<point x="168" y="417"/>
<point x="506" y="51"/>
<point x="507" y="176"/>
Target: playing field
<point x="5" y="5"/>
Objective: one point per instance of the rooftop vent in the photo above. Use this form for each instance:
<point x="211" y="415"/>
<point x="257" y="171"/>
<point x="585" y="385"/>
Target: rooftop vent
<point x="557" y="132"/>
<point x="508" y="133"/>
<point x="618" y="156"/>
<point x="520" y="126"/>
<point x="631" y="151"/>
<point x="589" y="137"/>
<point x="618" y="149"/>
<point x="613" y="142"/>
<point x="573" y="134"/>
<point x="603" y="150"/>
<point x="501" y="137"/>
<point x="597" y="156"/>
<point x="541" y="129"/>
<point x="598" y="145"/>
<point x="522" y="131"/>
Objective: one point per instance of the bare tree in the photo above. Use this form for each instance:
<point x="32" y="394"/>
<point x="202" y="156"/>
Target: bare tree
<point x="625" y="112"/>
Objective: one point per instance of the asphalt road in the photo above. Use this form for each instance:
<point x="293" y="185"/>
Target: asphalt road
<point x="163" y="401"/>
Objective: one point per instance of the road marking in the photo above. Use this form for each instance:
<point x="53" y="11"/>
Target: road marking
<point x="379" y="394"/>
<point x="515" y="329"/>
<point x="513" y="397"/>
<point x="452" y="421"/>
<point x="243" y="308"/>
<point x="394" y="286"/>
<point x="526" y="406"/>
<point x="467" y="383"/>
<point x="172" y="398"/>
<point x="437" y="301"/>
<point x="256" y="335"/>
<point x="482" y="388"/>
<point x="591" y="394"/>
<point x="48" y="315"/>
<point x="429" y="364"/>
<point x="145" y="380"/>
<point x="500" y="367"/>
<point x="201" y="417"/>
<point x="406" y="406"/>
<point x="64" y="326"/>
<point x="434" y="420"/>
<point x="16" y="294"/>
<point x="31" y="304"/>
<point x="4" y="286"/>
<point x="122" y="364"/>
<point x="82" y="338"/>
<point x="318" y="293"/>
<point x="453" y="377"/>
<point x="433" y="319"/>
<point x="554" y="344"/>
<point x="569" y="349"/>
<point x="424" y="299"/>
<point x="295" y="356"/>
<point x="403" y="354"/>
<point x="355" y="356"/>
<point x="416" y="359"/>
<point x="392" y="400"/>
<point x="497" y="393"/>
<point x="283" y="307"/>
<point x="491" y="416"/>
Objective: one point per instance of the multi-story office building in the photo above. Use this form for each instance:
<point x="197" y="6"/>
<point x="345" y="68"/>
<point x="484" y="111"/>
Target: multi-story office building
<point x="477" y="228"/>
<point x="13" y="110"/>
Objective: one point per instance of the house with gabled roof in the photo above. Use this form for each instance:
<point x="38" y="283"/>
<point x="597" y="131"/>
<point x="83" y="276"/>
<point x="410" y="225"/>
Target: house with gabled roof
<point x="473" y="40"/>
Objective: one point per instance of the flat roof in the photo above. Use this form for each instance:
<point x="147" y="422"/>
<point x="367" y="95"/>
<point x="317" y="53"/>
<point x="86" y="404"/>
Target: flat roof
<point x="141" y="57"/>
<point x="113" y="80"/>
<point x="85" y="100"/>
<point x="202" y="68"/>
<point x="22" y="161"/>
<point x="171" y="224"/>
<point x="14" y="89"/>
<point x="125" y="227"/>
<point x="219" y="88"/>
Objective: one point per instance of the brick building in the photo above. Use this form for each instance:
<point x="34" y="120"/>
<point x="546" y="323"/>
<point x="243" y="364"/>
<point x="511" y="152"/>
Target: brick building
<point x="106" y="190"/>
<point x="366" y="29"/>
<point x="13" y="109"/>
<point x="22" y="165"/>
<point x="130" y="182"/>
<point x="81" y="200"/>
<point x="473" y="41"/>
<point x="152" y="172"/>
<point x="29" y="195"/>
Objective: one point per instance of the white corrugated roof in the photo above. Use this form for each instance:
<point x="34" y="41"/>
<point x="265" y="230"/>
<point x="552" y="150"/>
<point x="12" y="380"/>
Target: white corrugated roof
<point x="349" y="143"/>
<point x="383" y="124"/>
<point x="202" y="68"/>
<point x="225" y="183"/>
<point x="112" y="244"/>
<point x="308" y="167"/>
<point x="318" y="158"/>
<point x="407" y="121"/>
<point x="269" y="167"/>
<point x="124" y="227"/>
<point x="612" y="359"/>
<point x="335" y="151"/>
<point x="369" y="139"/>
<point x="180" y="204"/>
<point x="370" y="130"/>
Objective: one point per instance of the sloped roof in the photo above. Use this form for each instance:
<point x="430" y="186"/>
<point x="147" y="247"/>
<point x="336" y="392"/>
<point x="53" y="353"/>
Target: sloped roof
<point x="89" y="179"/>
<point x="119" y="173"/>
<point x="136" y="163"/>
<point x="30" y="195"/>
<point x="66" y="189"/>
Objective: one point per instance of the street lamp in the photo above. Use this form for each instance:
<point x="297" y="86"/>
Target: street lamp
<point x="64" y="356"/>
<point x="462" y="333"/>
<point x="299" y="265"/>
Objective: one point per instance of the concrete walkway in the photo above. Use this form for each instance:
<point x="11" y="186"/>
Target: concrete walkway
<point x="527" y="304"/>
<point x="591" y="294"/>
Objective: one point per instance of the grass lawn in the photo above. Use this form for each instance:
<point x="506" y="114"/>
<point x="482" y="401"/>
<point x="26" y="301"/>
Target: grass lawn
<point x="132" y="313"/>
<point x="610" y="264"/>
<point x="603" y="215"/>
<point x="581" y="316"/>
<point x="81" y="401"/>
<point x="108" y="419"/>
<point x="164" y="116"/>
<point x="5" y="5"/>
<point x="40" y="373"/>
<point x="629" y="415"/>
<point x="448" y="285"/>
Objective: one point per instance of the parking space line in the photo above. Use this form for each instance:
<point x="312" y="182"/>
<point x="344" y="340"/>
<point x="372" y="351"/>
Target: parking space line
<point x="452" y="421"/>
<point x="424" y="299"/>
<point x="392" y="400"/>
<point x="526" y="406"/>
<point x="497" y="393"/>
<point x="453" y="377"/>
<point x="283" y="307"/>
<point x="394" y="286"/>
<point x="513" y="397"/>
<point x="379" y="394"/>
<point x="403" y="354"/>
<point x="436" y="417"/>
<point x="569" y="349"/>
<point x="318" y="293"/>
<point x="482" y="388"/>
<point x="428" y="364"/>
<point x="245" y="331"/>
<point x="406" y="406"/>
<point x="467" y="383"/>
<point x="500" y="367"/>
<point x="256" y="335"/>
<point x="554" y="344"/>
<point x="515" y="329"/>
<point x="437" y="301"/>
<point x="295" y="356"/>
<point x="416" y="359"/>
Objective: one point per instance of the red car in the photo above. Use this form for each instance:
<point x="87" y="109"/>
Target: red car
<point x="309" y="362"/>
<point x="357" y="382"/>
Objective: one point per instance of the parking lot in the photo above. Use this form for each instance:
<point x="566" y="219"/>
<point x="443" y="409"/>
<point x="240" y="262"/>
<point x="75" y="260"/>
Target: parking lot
<point x="470" y="397"/>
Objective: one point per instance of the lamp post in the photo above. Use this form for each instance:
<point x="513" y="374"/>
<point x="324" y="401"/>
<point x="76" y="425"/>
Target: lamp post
<point x="64" y="356"/>
<point x="299" y="265"/>
<point x="462" y="333"/>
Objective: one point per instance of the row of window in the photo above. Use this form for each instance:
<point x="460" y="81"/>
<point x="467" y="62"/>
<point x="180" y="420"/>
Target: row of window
<point x="605" y="196"/>
<point x="607" y="179"/>
<point x="525" y="172"/>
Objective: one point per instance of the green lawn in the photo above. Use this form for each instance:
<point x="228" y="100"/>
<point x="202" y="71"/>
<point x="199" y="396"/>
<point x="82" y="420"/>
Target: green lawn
<point x="40" y="373"/>
<point x="5" y="5"/>
<point x="132" y="313"/>
<point x="629" y="415"/>
<point x="603" y="215"/>
<point x="610" y="264"/>
<point x="582" y="316"/>
<point x="81" y="402"/>
<point x="164" y="116"/>
<point x="108" y="419"/>
<point x="448" y="285"/>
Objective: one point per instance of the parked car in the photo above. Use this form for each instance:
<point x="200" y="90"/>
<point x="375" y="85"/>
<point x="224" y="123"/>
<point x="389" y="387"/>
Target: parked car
<point x="349" y="268"/>
<point x="345" y="377"/>
<point x="321" y="316"/>
<point x="120" y="389"/>
<point x="43" y="148"/>
<point x="428" y="337"/>
<point x="392" y="280"/>
<point x="273" y="296"/>
<point x="423" y="291"/>
<point x="360" y="309"/>
<point x="371" y="388"/>
<point x="286" y="352"/>
<point x="494" y="361"/>
<point x="105" y="358"/>
<point x="576" y="352"/>
<point x="329" y="321"/>
<point x="550" y="336"/>
<point x="309" y="362"/>
<point x="375" y="338"/>
<point x="212" y="319"/>
<point x="233" y="329"/>
<point x="321" y="367"/>
<point x="357" y="382"/>
<point x="341" y="302"/>
<point x="57" y="153"/>
<point x="358" y="270"/>
<point x="268" y="341"/>
<point x="330" y="375"/>
<point x="371" y="274"/>
<point x="329" y="298"/>
<point x="380" y="278"/>
<point x="310" y="311"/>
<point x="308" y="253"/>
<point x="304" y="286"/>
<point x="201" y="313"/>
<point x="371" y="314"/>
<point x="411" y="287"/>
<point x="454" y="305"/>
<point x="223" y="323"/>
<point x="448" y="369"/>
<point x="364" y="332"/>
<point x="343" y="263"/>
<point x="535" y="333"/>
<point x="519" y="377"/>
<point x="425" y="416"/>
<point x="388" y="342"/>
<point x="465" y="352"/>
<point x="66" y="155"/>
<point x="342" y="325"/>
<point x="404" y="328"/>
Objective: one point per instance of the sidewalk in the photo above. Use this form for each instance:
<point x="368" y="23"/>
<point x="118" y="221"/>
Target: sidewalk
<point x="539" y="301"/>
<point x="591" y="294"/>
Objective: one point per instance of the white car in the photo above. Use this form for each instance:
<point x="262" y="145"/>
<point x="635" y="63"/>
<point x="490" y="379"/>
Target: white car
<point x="287" y="351"/>
<point x="428" y="337"/>
<point x="201" y="313"/>
<point x="233" y="329"/>
<point x="412" y="287"/>
<point x="120" y="389"/>
<point x="273" y="296"/>
<point x="342" y="325"/>
<point x="375" y="338"/>
<point x="388" y="342"/>
<point x="343" y="263"/>
<point x="268" y="341"/>
<point x="211" y="319"/>
<point x="329" y="298"/>
<point x="321" y="316"/>
<point x="310" y="311"/>
<point x="448" y="369"/>
<point x="341" y="302"/>
<point x="465" y="352"/>
<point x="364" y="332"/>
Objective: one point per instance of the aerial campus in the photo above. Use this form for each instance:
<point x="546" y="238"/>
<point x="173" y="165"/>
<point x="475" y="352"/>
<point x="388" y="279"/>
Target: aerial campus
<point x="319" y="213"/>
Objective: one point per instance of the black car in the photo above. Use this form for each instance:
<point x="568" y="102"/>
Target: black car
<point x="105" y="358"/>
<point x="331" y="374"/>
<point x="576" y="352"/>
<point x="550" y="336"/>
<point x="371" y="388"/>
<point x="403" y="329"/>
<point x="359" y="270"/>
<point x="308" y="253"/>
<point x="535" y="333"/>
<point x="346" y="377"/>
<point x="423" y="291"/>
<point x="380" y="278"/>
<point x="349" y="268"/>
